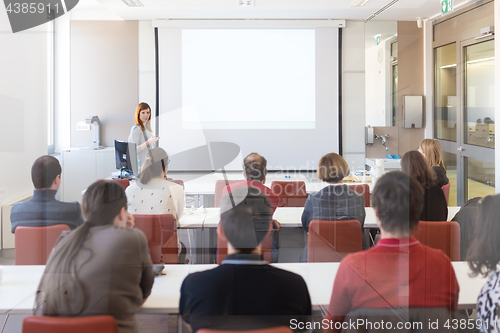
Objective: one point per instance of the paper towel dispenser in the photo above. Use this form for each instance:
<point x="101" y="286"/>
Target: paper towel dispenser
<point x="413" y="111"/>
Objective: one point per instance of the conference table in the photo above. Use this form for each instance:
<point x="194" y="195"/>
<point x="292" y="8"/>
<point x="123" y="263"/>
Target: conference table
<point x="288" y="217"/>
<point x="19" y="283"/>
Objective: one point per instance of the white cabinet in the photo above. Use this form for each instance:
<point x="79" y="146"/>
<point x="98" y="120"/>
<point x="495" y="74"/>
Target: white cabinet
<point x="82" y="167"/>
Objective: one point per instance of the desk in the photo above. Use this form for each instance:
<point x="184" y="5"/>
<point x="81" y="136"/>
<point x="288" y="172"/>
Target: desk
<point x="19" y="283"/>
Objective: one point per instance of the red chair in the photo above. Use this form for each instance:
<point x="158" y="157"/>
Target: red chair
<point x="446" y="191"/>
<point x="161" y="233"/>
<point x="330" y="241"/>
<point x="34" y="244"/>
<point x="362" y="189"/>
<point x="94" y="324"/>
<point x="292" y="194"/>
<point x="123" y="182"/>
<point x="444" y="236"/>
<point x="279" y="329"/>
<point x="178" y="182"/>
<point x="222" y="245"/>
<point x="219" y="186"/>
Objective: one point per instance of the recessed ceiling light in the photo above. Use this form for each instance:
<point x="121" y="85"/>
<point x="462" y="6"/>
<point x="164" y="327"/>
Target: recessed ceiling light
<point x="133" y="3"/>
<point x="360" y="3"/>
<point x="246" y="3"/>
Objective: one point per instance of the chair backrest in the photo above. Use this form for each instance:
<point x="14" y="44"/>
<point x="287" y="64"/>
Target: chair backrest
<point x="446" y="191"/>
<point x="219" y="186"/>
<point x="440" y="235"/>
<point x="279" y="329"/>
<point x="123" y="182"/>
<point x="161" y="233"/>
<point x="94" y="324"/>
<point x="34" y="244"/>
<point x="330" y="241"/>
<point x="265" y="246"/>
<point x="292" y="193"/>
<point x="177" y="181"/>
<point x="362" y="189"/>
<point x="409" y="319"/>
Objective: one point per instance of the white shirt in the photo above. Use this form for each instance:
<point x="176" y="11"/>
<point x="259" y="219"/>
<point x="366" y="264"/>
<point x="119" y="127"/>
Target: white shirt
<point x="159" y="196"/>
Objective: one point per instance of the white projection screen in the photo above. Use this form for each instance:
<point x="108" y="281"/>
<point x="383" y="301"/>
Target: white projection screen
<point x="268" y="90"/>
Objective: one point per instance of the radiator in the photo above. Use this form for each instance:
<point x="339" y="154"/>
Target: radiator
<point x="6" y="236"/>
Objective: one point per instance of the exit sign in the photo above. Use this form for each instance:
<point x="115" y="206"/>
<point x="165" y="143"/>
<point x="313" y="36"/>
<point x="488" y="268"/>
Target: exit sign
<point x="446" y="6"/>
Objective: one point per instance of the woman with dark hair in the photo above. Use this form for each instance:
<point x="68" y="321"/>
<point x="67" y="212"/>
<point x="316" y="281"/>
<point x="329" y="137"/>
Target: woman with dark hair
<point x="102" y="267"/>
<point x="431" y="150"/>
<point x="435" y="206"/>
<point x="141" y="133"/>
<point x="483" y="258"/>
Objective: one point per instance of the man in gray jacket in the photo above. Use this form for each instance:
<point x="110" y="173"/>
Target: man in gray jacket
<point x="43" y="209"/>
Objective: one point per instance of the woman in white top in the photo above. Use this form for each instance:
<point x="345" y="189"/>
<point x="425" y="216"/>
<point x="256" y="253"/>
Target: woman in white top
<point x="141" y="133"/>
<point x="152" y="193"/>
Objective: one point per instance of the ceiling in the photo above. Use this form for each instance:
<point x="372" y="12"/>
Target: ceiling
<point x="402" y="10"/>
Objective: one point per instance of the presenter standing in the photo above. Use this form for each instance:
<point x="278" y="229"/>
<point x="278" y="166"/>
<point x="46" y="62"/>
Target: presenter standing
<point x="141" y="133"/>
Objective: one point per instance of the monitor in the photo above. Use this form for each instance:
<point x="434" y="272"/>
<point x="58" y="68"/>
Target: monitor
<point x="126" y="157"/>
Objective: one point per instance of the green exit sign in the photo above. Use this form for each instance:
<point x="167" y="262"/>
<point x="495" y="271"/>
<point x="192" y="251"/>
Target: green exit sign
<point x="446" y="6"/>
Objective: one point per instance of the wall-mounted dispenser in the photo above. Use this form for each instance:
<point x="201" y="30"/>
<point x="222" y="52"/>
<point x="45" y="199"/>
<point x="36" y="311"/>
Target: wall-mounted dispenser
<point x="369" y="137"/>
<point x="413" y="111"/>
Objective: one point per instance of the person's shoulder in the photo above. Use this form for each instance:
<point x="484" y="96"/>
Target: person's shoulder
<point x="125" y="235"/>
<point x="207" y="277"/>
<point x="288" y="278"/>
<point x="436" y="256"/>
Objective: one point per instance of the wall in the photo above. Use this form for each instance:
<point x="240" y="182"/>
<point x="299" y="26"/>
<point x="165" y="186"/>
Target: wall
<point x="497" y="93"/>
<point x="23" y="106"/>
<point x="411" y="80"/>
<point x="104" y="78"/>
<point x="353" y="94"/>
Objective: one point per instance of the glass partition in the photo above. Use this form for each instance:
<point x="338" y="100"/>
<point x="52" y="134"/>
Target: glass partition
<point x="445" y="93"/>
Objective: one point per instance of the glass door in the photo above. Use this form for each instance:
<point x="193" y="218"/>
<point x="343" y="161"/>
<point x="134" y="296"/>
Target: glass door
<point x="464" y="116"/>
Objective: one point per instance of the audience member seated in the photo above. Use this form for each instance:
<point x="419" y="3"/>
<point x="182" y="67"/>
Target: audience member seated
<point x="153" y="194"/>
<point x="484" y="257"/>
<point x="398" y="271"/>
<point x="43" y="209"/>
<point x="467" y="219"/>
<point x="336" y="201"/>
<point x="244" y="292"/>
<point x="435" y="205"/>
<point x="431" y="150"/>
<point x="102" y="267"/>
<point x="255" y="172"/>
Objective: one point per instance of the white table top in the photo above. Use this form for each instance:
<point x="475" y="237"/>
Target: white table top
<point x="19" y="283"/>
<point x="290" y="217"/>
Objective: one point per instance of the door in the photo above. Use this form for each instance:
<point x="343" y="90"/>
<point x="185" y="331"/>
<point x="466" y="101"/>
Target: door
<point x="464" y="116"/>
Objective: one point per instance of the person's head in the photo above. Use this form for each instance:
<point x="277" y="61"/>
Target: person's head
<point x="332" y="168"/>
<point x="398" y="200"/>
<point x="104" y="203"/>
<point x="484" y="251"/>
<point x="143" y="115"/>
<point x="255" y="167"/>
<point x="431" y="150"/>
<point x="245" y="218"/>
<point x="488" y="120"/>
<point x="156" y="165"/>
<point x="479" y="121"/>
<point x="413" y="164"/>
<point x="46" y="173"/>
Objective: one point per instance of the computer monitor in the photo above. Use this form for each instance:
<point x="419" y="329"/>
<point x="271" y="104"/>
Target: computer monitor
<point x="126" y="157"/>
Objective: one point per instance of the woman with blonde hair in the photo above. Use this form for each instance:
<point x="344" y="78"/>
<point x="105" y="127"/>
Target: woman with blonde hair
<point x="101" y="268"/>
<point x="141" y="133"/>
<point x="431" y="150"/>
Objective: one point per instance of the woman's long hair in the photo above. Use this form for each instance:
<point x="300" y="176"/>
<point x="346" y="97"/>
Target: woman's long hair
<point x="154" y="165"/>
<point x="414" y="165"/>
<point x="484" y="251"/>
<point x="432" y="150"/>
<point x="60" y="292"/>
<point x="143" y="106"/>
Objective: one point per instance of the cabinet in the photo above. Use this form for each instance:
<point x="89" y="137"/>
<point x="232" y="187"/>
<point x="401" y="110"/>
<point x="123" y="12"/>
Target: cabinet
<point x="82" y="167"/>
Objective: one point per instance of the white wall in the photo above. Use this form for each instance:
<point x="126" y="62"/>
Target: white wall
<point x="62" y="86"/>
<point x="497" y="102"/>
<point x="377" y="85"/>
<point x="353" y="94"/>
<point x="23" y="106"/>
